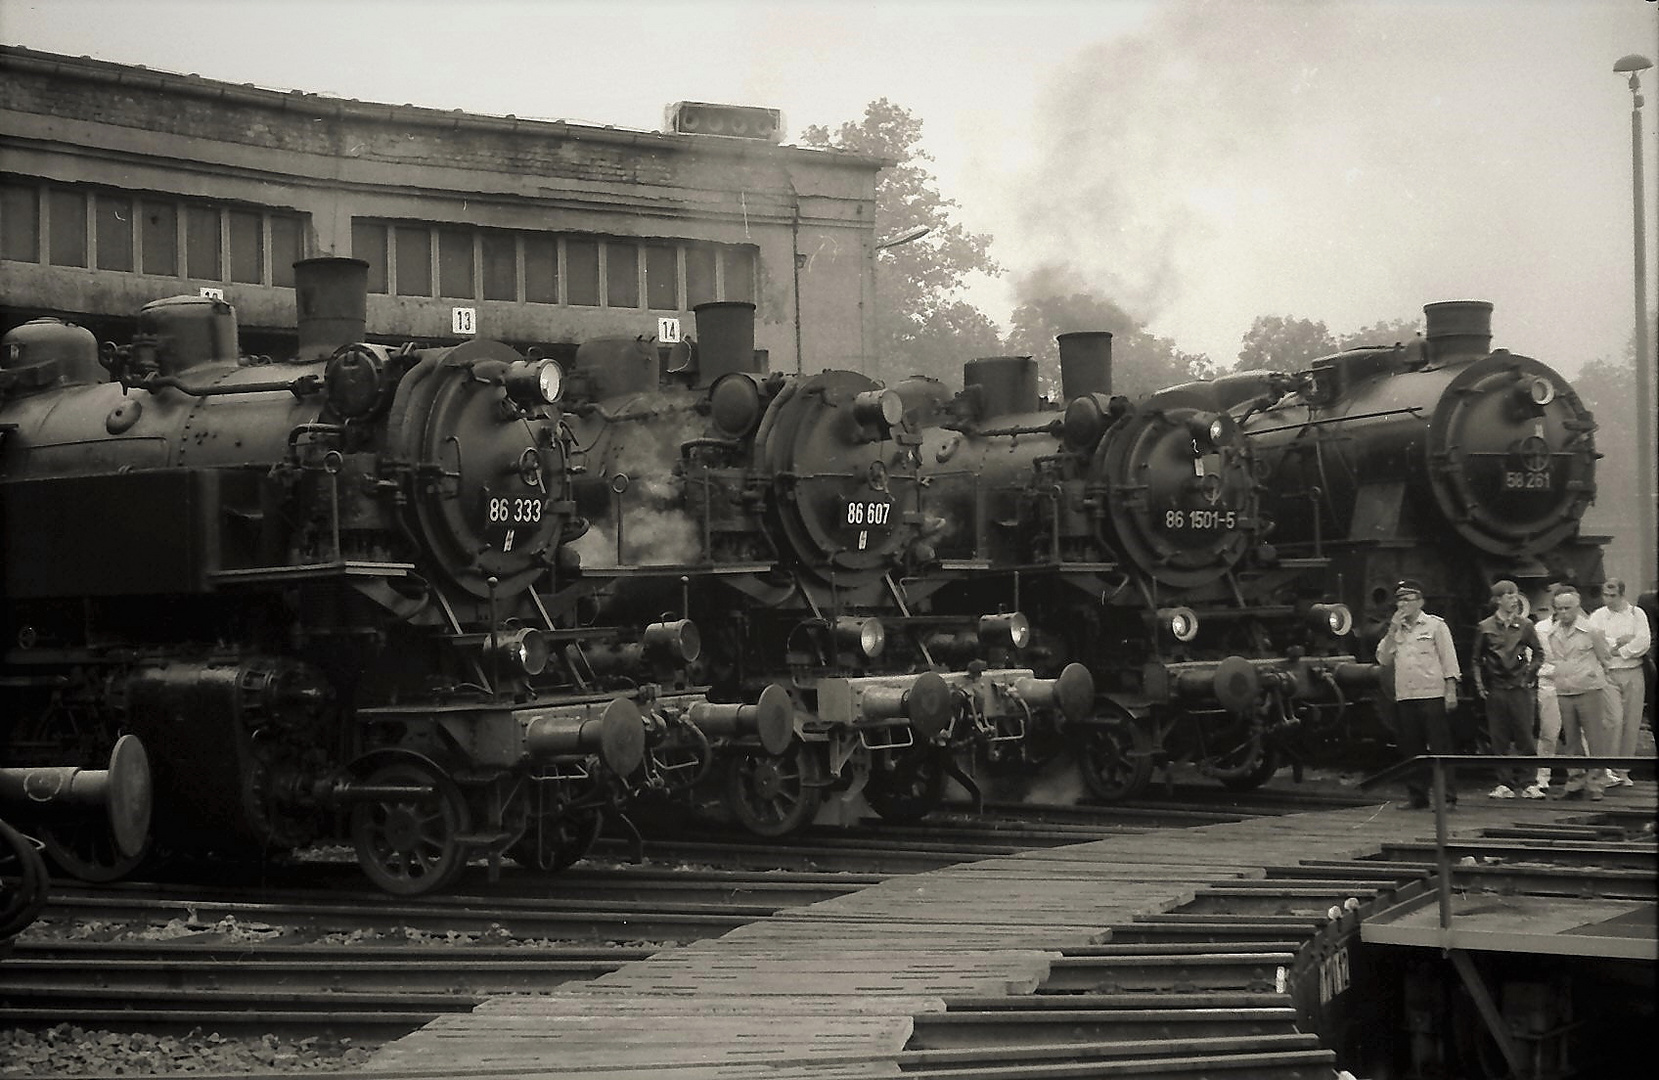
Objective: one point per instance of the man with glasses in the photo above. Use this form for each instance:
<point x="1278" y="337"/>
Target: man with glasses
<point x="1626" y="630"/>
<point x="1419" y="648"/>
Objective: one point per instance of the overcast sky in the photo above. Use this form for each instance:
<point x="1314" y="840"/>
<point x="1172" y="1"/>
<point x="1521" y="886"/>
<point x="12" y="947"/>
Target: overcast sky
<point x="1200" y="162"/>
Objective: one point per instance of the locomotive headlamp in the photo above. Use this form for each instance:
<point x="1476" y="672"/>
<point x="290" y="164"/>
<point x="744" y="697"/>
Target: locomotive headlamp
<point x="1211" y="431"/>
<point x="675" y="641"/>
<point x="1332" y="618"/>
<point x="868" y="636"/>
<point x="735" y="403"/>
<point x="1011" y="630"/>
<point x="525" y="648"/>
<point x="880" y="409"/>
<point x="1539" y="391"/>
<point x="533" y="383"/>
<point x="1181" y="623"/>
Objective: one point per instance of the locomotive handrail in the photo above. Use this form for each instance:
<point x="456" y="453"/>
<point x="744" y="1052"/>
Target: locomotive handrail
<point x="1409" y="409"/>
<point x="303" y="386"/>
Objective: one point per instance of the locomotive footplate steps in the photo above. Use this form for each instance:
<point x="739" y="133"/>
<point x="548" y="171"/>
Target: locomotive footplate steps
<point x="1059" y="961"/>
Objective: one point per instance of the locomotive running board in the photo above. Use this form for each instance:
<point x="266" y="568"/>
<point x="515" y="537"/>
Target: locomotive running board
<point x="348" y="568"/>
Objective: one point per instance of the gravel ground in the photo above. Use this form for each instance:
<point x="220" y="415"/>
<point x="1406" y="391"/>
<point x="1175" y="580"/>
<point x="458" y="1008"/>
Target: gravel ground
<point x="66" y="1050"/>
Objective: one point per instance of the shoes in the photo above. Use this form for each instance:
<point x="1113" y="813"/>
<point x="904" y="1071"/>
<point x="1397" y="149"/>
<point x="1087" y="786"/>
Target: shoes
<point x="1502" y="791"/>
<point x="1620" y="781"/>
<point x="1533" y="792"/>
<point x="1573" y="793"/>
<point x="1596" y="796"/>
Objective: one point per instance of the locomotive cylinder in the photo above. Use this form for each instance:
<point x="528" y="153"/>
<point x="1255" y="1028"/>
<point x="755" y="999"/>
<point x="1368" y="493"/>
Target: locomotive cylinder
<point x="331" y="299"/>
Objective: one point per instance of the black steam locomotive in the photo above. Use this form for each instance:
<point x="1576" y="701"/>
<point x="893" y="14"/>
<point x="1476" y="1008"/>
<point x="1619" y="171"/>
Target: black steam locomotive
<point x="310" y="587"/>
<point x="1133" y="534"/>
<point x="1439" y="459"/>
<point x="782" y="513"/>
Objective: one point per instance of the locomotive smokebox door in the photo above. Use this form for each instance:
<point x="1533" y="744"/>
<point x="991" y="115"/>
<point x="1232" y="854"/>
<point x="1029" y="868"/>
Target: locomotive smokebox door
<point x="481" y="472"/>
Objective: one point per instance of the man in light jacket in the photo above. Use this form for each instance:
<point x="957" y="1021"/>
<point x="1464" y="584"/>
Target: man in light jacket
<point x="1578" y="655"/>
<point x="1418" y="646"/>
<point x="1626" y="630"/>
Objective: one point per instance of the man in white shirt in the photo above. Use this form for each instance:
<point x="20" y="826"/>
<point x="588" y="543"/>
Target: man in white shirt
<point x="1626" y="630"/>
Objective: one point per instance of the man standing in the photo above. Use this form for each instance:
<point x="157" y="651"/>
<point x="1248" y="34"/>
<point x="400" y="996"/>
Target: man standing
<point x="1580" y="655"/>
<point x="1419" y="647"/>
<point x="1505" y="660"/>
<point x="1626" y="630"/>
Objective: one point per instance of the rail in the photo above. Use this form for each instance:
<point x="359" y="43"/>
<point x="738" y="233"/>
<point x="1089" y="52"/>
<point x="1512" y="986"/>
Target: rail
<point x="1443" y="769"/>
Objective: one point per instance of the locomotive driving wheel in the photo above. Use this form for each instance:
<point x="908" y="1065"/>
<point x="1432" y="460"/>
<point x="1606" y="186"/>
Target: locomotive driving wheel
<point x="1115" y="759"/>
<point x="775" y="794"/>
<point x="552" y="842"/>
<point x="411" y="845"/>
<point x="905" y="787"/>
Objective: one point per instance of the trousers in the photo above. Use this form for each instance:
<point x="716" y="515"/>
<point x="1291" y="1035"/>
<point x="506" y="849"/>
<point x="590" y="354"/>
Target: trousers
<point x="1509" y="723"/>
<point x="1424" y="729"/>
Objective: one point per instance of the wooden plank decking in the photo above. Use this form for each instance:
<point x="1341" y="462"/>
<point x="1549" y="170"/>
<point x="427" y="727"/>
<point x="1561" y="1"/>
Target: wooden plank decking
<point x="831" y="989"/>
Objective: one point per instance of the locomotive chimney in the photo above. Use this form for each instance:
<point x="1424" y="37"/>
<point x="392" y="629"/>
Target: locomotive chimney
<point x="331" y="297"/>
<point x="1085" y="363"/>
<point x="1001" y="385"/>
<point x="725" y="340"/>
<point x="1458" y="328"/>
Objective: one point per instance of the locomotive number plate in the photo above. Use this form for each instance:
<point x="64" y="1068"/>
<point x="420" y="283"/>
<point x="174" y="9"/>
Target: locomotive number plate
<point x="505" y="514"/>
<point x="1201" y="520"/>
<point x="1515" y="480"/>
<point x="868" y="514"/>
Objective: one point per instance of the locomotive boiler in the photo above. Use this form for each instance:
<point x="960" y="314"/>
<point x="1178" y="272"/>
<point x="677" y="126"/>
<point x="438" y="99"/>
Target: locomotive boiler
<point x="309" y="586"/>
<point x="1440" y="459"/>
<point x="782" y="513"/>
<point x="1133" y="534"/>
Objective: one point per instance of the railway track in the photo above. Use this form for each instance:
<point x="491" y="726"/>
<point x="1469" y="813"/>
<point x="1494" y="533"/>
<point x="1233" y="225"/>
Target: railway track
<point x="1173" y="992"/>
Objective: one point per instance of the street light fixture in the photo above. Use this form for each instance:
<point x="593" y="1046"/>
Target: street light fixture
<point x="905" y="237"/>
<point x="1634" y="65"/>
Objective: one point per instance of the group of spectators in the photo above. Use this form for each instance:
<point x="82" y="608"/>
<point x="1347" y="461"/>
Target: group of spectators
<point x="1573" y="684"/>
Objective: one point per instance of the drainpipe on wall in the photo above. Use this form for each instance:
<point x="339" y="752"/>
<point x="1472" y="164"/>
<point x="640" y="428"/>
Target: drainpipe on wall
<point x="797" y="259"/>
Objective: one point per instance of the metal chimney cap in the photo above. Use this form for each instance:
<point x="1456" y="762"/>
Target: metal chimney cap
<point x="1632" y="62"/>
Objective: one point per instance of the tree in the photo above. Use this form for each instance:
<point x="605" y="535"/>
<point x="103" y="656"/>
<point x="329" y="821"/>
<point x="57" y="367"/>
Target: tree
<point x="1141" y="362"/>
<point x="1283" y="343"/>
<point x="923" y="325"/>
<point x="1383" y="332"/>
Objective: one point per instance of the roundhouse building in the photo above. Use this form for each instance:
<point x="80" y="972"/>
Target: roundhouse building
<point x="121" y="184"/>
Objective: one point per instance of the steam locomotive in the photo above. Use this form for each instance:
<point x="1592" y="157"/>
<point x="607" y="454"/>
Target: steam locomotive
<point x="1134" y="534"/>
<point x="310" y="587"/>
<point x="1440" y="459"/>
<point x="782" y="513"/>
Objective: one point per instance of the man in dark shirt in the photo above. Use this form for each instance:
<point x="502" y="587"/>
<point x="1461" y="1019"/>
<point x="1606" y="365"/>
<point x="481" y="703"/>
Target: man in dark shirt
<point x="1505" y="658"/>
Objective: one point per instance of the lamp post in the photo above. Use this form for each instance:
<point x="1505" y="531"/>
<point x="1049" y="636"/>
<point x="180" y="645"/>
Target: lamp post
<point x="1634" y="65"/>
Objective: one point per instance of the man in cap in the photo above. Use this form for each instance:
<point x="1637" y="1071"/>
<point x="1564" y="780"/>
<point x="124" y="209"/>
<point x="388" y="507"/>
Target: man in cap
<point x="1504" y="660"/>
<point x="1628" y="638"/>
<point x="1419" y="648"/>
